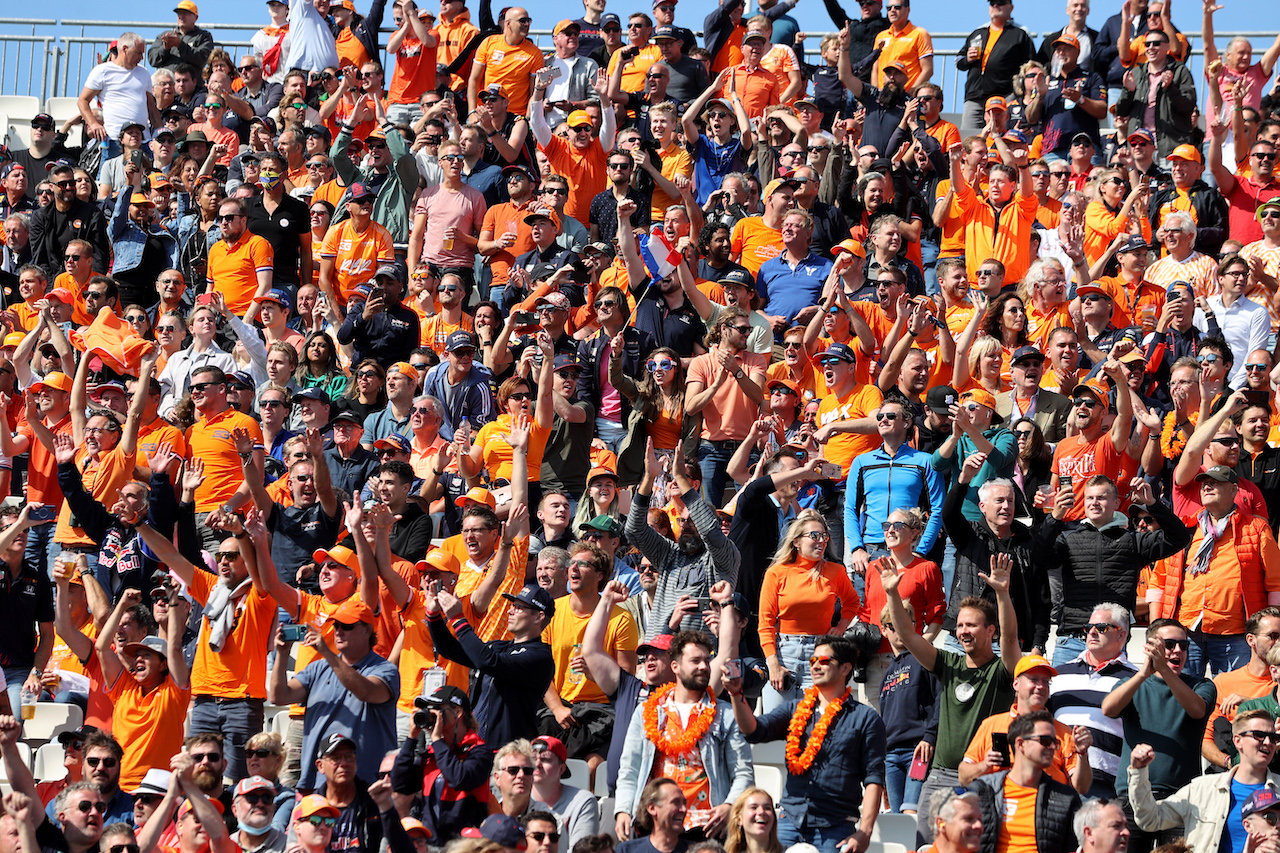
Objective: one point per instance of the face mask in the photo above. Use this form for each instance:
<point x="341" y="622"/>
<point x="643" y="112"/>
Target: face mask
<point x="269" y="180"/>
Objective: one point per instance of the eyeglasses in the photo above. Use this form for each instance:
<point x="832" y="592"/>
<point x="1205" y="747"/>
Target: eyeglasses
<point x="555" y="836"/>
<point x="655" y="364"/>
<point x="100" y="430"/>
<point x="321" y="820"/>
<point x="1050" y="741"/>
<point x="1100" y="627"/>
<point x="107" y="762"/>
<point x="201" y="387"/>
<point x="1207" y="358"/>
<point x="1085" y="402"/>
<point x="1177" y="644"/>
<point x="822" y="660"/>
<point x="886" y="416"/>
<point x="85" y="806"/>
<point x="516" y="770"/>
<point x="211" y="757"/>
<point x="896" y="526"/>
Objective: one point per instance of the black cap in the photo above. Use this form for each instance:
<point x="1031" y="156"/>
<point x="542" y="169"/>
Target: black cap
<point x="79" y="734"/>
<point x="742" y="277"/>
<point x="333" y="741"/>
<point x="444" y="695"/>
<point x="1135" y="243"/>
<point x="536" y="597"/>
<point x="313" y="394"/>
<point x="941" y="398"/>
<point x="1026" y="352"/>
<point x="1221" y="473"/>
<point x="1083" y="137"/>
<point x="346" y="414"/>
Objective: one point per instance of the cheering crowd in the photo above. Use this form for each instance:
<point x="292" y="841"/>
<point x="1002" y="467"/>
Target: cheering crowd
<point x="498" y="452"/>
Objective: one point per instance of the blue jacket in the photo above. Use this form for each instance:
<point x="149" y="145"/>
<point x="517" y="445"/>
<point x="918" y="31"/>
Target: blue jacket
<point x="829" y="793"/>
<point x="128" y="240"/>
<point x="725" y="757"/>
<point x="473" y="400"/>
<point x="879" y="483"/>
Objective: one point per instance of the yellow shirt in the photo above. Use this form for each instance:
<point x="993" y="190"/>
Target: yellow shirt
<point x="566" y="630"/>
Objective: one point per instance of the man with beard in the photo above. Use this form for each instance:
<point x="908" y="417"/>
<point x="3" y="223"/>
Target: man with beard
<point x="690" y="566"/>
<point x="198" y="826"/>
<point x="1094" y="449"/>
<point x="101" y="768"/>
<point x="626" y="691"/>
<point x="253" y="807"/>
<point x="652" y="746"/>
<point x="885" y="106"/>
<point x="820" y="801"/>
<point x="209" y="757"/>
<point x="973" y="683"/>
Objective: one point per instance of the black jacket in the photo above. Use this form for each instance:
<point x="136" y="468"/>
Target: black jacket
<point x="386" y="337"/>
<point x="637" y="345"/>
<point x="975" y="543"/>
<point x="1013" y="48"/>
<point x="1100" y="566"/>
<point x="1210" y="215"/>
<point x="454" y="783"/>
<point x="52" y="230"/>
<point x="510" y="678"/>
<point x="1175" y="104"/>
<point x="862" y="33"/>
<point x="1056" y="806"/>
<point x="755" y="532"/>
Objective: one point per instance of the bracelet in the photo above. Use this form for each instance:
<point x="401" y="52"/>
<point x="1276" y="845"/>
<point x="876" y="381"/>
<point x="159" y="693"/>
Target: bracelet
<point x="437" y="473"/>
<point x="244" y="457"/>
<point x="505" y="544"/>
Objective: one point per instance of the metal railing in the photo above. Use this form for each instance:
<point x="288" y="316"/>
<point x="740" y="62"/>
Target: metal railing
<point x="53" y="64"/>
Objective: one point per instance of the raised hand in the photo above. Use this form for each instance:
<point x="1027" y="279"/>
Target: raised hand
<point x="193" y="473"/>
<point x="64" y="448"/>
<point x="1001" y="569"/>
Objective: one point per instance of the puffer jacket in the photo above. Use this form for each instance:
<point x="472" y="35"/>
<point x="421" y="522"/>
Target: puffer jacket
<point x="1102" y="564"/>
<point x="975" y="543"/>
<point x="1056" y="805"/>
<point x="1211" y="214"/>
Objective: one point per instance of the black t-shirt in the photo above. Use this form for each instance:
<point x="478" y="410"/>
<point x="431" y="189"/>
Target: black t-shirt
<point x="296" y="533"/>
<point x="283" y="229"/>
<point x="25" y="600"/>
<point x="567" y="457"/>
<point x="411" y="536"/>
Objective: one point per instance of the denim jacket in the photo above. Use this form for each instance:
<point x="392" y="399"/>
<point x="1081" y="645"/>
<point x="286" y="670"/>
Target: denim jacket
<point x="128" y="240"/>
<point x="725" y="756"/>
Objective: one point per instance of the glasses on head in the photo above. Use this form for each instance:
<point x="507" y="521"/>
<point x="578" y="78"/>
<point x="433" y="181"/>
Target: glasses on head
<point x="1170" y="645"/>
<point x="86" y="806"/>
<point x="822" y="660"/>
<point x="107" y="762"/>
<point x="517" y="770"/>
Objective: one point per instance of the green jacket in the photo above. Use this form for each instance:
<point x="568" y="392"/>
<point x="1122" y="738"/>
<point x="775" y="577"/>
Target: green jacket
<point x="392" y="208"/>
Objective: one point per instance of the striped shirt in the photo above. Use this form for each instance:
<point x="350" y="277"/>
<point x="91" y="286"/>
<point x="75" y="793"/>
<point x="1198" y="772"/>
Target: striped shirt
<point x="1075" y="699"/>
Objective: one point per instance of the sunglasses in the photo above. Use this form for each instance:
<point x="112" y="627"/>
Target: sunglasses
<point x="817" y="535"/>
<point x="515" y="770"/>
<point x="1086" y="402"/>
<point x="831" y="362"/>
<point x="1050" y="741"/>
<point x="521" y="396"/>
<point x="605" y="303"/>
<point x="1270" y="214"/>
<point x="896" y="526"/>
<point x="463" y="352"/>
<point x="166" y="329"/>
<point x="456" y="158"/>
<point x="210" y="757"/>
<point x="85" y="807"/>
<point x="107" y="762"/>
<point x="1207" y="358"/>
<point x="660" y="364"/>
<point x="227" y="217"/>
<point x="886" y="416"/>
<point x="1177" y="644"/>
<point x="824" y="660"/>
<point x="1258" y="366"/>
<point x="321" y="820"/>
<point x="1100" y="627"/>
<point x="201" y="387"/>
<point x="555" y="836"/>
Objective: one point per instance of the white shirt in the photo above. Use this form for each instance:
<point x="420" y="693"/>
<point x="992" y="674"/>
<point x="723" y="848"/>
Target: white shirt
<point x="123" y="93"/>
<point x="1246" y="326"/>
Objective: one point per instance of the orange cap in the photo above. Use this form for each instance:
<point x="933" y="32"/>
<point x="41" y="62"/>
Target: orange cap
<point x="353" y="610"/>
<point x="1186" y="152"/>
<point x="980" y="396"/>
<point x="479" y="495"/>
<point x="851" y="246"/>
<point x="439" y="560"/>
<point x="338" y="554"/>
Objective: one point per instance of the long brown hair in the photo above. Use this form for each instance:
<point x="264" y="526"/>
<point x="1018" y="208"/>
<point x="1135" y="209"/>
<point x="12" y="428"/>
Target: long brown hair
<point x="650" y="402"/>
<point x="736" y="842"/>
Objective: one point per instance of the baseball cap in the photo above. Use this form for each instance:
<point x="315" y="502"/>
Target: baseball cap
<point x="742" y="277"/>
<point x="564" y="25"/>
<point x="158" y="179"/>
<point x="187" y="807"/>
<point x="1259" y="801"/>
<point x="1094" y="387"/>
<point x="609" y="18"/>
<point x="279" y="297"/>
<point x="895" y="65"/>
<point x="785" y="383"/>
<point x="352" y="611"/>
<point x="996" y="103"/>
<point x="660" y="643"/>
<point x="338" y="554"/>
<point x="459" y="340"/>
<point x="107" y="386"/>
<point x="600" y="471"/>
<point x="81" y="733"/>
<point x="522" y="169"/>
<point x="776" y="184"/>
<point x="13" y="339"/>
<point x="1186" y="152"/>
<point x="533" y="596"/>
<point x="565" y="360"/>
<point x="553" y="745"/>
<point x="980" y="396"/>
<point x="270" y="124"/>
<point x="344" y="412"/>
<point x="359" y="192"/>
<point x="1030" y="662"/>
<point x="56" y="381"/>
<point x="1092" y="290"/>
<point x="187" y="6"/>
<point x="42" y="118"/>
<point x="554" y="299"/>
<point x="1082" y="139"/>
<point x="844" y="352"/>
<point x="439" y="560"/>
<point x="492" y="92"/>
<point x="1131" y="356"/>
<point x="1135" y="243"/>
<point x="412" y="824"/>
<point x="445" y="694"/>
<point x="332" y="743"/>
<point x="1144" y="134"/>
<point x="1220" y="473"/>
<point x="140" y="199"/>
<point x="542" y="213"/>
<point x="1067" y="39"/>
<point x="719" y="102"/>
<point x="578" y="118"/>
<point x="253" y="783"/>
<point x="940" y="399"/>
<point x="1026" y="352"/>
<point x="313" y="394"/>
<point x="754" y="35"/>
<point x="665" y="33"/>
<point x="851" y="246"/>
<point x="604" y="524"/>
<point x="500" y="829"/>
<point x="313" y="804"/>
<point x="477" y="494"/>
<point x="395" y="441"/>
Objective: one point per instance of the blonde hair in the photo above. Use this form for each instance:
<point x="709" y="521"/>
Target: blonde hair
<point x="787" y="549"/>
<point x="982" y="347"/>
<point x="736" y="841"/>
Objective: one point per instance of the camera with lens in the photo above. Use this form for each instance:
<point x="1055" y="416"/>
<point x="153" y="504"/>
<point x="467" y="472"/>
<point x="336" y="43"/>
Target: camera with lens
<point x="425" y="720"/>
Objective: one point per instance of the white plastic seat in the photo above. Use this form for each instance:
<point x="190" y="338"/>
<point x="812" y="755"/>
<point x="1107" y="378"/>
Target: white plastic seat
<point x="579" y="774"/>
<point x="52" y="719"/>
<point x="769" y="777"/>
<point x="24" y="752"/>
<point x="770" y="752"/>
<point x="895" y="829"/>
<point x="20" y="107"/>
<point x="47" y="766"/>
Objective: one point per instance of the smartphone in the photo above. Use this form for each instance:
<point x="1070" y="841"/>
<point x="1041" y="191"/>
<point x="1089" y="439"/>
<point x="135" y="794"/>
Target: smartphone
<point x="376" y="292"/>
<point x="293" y="633"/>
<point x="704" y="603"/>
<point x="1064" y="481"/>
<point x="204" y="299"/>
<point x="137" y="159"/>
<point x="919" y="769"/>
<point x="555" y="72"/>
<point x="1258" y="398"/>
<point x="733" y="669"/>
<point x="830" y="471"/>
<point x="1000" y="743"/>
<point x="580" y="275"/>
<point x="524" y="319"/>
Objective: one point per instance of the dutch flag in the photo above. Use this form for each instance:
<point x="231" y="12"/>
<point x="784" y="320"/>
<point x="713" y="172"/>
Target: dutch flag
<point x="658" y="254"/>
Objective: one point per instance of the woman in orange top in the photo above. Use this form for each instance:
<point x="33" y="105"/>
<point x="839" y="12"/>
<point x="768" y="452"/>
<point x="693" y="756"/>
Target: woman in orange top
<point x="797" y="603"/>
<point x="659" y="395"/>
<point x="981" y="367"/>
<point x="1108" y="214"/>
<point x="516" y="400"/>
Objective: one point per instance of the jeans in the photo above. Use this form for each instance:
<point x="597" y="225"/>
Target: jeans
<point x="1224" y="652"/>
<point x="948" y="567"/>
<point x="904" y="792"/>
<point x="40" y="548"/>
<point x="236" y="720"/>
<point x="929" y="256"/>
<point x="403" y="113"/>
<point x="713" y="459"/>
<point x="15" y="677"/>
<point x="832" y="509"/>
<point x="209" y="539"/>
<point x="794" y="651"/>
<point x="826" y="838"/>
<point x="611" y="433"/>
<point x="1067" y="649"/>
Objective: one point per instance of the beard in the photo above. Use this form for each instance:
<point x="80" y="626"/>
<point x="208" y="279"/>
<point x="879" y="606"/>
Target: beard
<point x="889" y="93"/>
<point x="206" y="779"/>
<point x="690" y="543"/>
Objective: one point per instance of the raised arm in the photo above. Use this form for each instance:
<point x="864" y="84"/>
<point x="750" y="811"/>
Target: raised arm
<point x="998" y="580"/>
<point x="601" y="666"/>
<point x="112" y="664"/>
<point x="1193" y="454"/>
<point x="920" y="648"/>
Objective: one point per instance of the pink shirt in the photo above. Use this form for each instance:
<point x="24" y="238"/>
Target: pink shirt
<point x="462" y="209"/>
<point x="1255" y="75"/>
<point x="610" y="400"/>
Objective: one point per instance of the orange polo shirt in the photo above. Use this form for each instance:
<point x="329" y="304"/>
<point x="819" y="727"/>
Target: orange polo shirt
<point x="234" y="268"/>
<point x="759" y="89"/>
<point x="633" y="74"/>
<point x="210" y="441"/>
<point x="42" y="468"/>
<point x="239" y="671"/>
<point x="588" y="168"/>
<point x="147" y="725"/>
<point x="842" y="448"/>
<point x="513" y="67"/>
<point x="418" y="654"/>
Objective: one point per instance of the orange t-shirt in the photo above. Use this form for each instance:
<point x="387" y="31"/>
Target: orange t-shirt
<point x="234" y="268"/>
<point x="1040" y="324"/>
<point x="1101" y="226"/>
<point x="493" y="625"/>
<point x="415" y="72"/>
<point x="79" y="310"/>
<point x="435" y="331"/>
<point x="156" y="433"/>
<point x="588" y="166"/>
<point x="1081" y="459"/>
<point x="1237" y="681"/>
<point x="210" y="440"/>
<point x="42" y="468"/>
<point x="951" y="244"/>
<point x="754" y="242"/>
<point x="147" y="725"/>
<point x="513" y="67"/>
<point x="1064" y="759"/>
<point x="216" y="135"/>
<point x="418" y="654"/>
<point x="730" y="54"/>
<point x="730" y="413"/>
<point x="497" y="454"/>
<point x="498" y="220"/>
<point x="351" y="50"/>
<point x="63" y="658"/>
<point x="355" y="256"/>
<point x="675" y="162"/>
<point x="842" y="448"/>
<point x="1018" y="829"/>
<point x="102" y="480"/>
<point x="239" y="671"/>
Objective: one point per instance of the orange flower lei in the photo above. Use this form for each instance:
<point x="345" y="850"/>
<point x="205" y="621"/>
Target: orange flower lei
<point x="799" y="762"/>
<point x="1172" y="444"/>
<point x="699" y="723"/>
